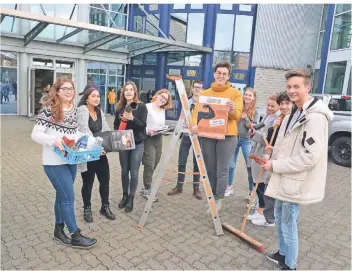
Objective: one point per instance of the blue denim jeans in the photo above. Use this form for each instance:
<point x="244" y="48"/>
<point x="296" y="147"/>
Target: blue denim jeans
<point x="183" y="153"/>
<point x="286" y="215"/>
<point x="246" y="146"/>
<point x="112" y="109"/>
<point x="130" y="161"/>
<point x="62" y="178"/>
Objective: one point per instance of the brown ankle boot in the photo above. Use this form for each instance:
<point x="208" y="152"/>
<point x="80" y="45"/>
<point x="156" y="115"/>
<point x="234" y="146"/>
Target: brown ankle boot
<point x="174" y="191"/>
<point x="197" y="194"/>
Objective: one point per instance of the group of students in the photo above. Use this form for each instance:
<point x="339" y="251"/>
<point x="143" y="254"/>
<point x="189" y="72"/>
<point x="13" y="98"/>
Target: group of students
<point x="59" y="117"/>
<point x="291" y="140"/>
<point x="294" y="163"/>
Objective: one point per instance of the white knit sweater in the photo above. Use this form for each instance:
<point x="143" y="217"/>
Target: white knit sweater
<point x="46" y="130"/>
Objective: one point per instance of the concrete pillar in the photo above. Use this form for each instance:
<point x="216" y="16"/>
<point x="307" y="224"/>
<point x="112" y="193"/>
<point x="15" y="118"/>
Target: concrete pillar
<point x="22" y="83"/>
<point x="81" y="77"/>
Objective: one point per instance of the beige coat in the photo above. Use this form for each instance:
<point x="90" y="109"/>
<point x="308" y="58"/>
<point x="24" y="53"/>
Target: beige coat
<point x="299" y="171"/>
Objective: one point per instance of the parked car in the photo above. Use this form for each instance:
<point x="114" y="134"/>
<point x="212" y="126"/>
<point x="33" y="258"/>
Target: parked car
<point x="339" y="127"/>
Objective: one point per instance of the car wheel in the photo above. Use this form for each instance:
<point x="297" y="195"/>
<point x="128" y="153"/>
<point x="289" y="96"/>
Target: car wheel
<point x="341" y="151"/>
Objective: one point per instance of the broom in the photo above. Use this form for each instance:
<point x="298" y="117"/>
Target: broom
<point x="240" y="233"/>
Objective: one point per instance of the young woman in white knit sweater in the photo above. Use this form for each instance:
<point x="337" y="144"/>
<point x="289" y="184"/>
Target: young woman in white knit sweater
<point x="56" y="119"/>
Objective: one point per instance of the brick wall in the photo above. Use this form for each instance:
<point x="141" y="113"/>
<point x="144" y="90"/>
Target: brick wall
<point x="267" y="82"/>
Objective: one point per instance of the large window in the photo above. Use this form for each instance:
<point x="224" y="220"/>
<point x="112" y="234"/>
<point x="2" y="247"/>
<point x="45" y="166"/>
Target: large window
<point x="335" y="77"/>
<point x="341" y="35"/>
<point x="243" y="33"/>
<point x="117" y="12"/>
<point x="8" y="82"/>
<point x="322" y="30"/>
<point x="66" y="11"/>
<point x="233" y="37"/>
<point x="9" y="24"/>
<point x="106" y="76"/>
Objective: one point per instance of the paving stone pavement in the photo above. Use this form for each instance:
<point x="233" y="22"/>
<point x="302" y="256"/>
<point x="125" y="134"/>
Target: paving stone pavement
<point x="178" y="233"/>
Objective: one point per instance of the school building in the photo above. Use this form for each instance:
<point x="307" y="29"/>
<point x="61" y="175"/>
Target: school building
<point x="113" y="43"/>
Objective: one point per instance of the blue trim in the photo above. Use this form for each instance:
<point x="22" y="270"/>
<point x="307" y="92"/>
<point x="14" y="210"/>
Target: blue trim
<point x="208" y="41"/>
<point x="251" y="69"/>
<point x="325" y="47"/>
<point x="131" y="13"/>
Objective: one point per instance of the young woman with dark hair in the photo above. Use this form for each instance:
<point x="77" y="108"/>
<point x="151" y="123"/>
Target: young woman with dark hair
<point x="130" y="160"/>
<point x="56" y="119"/>
<point x="91" y="121"/>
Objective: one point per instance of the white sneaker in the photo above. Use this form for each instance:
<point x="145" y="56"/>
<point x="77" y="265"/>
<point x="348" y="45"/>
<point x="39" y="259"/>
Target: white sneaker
<point x="256" y="215"/>
<point x="217" y="206"/>
<point x="228" y="191"/>
<point x="262" y="222"/>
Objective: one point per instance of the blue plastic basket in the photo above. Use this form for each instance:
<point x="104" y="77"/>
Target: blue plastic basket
<point x="76" y="157"/>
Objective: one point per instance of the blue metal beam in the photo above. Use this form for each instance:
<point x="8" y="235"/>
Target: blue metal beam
<point x="208" y="40"/>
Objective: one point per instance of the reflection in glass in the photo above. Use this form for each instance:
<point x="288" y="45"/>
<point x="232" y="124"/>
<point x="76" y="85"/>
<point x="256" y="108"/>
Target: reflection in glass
<point x="335" y="77"/>
<point x="324" y="17"/>
<point x="243" y="33"/>
<point x="150" y="59"/>
<point x="179" y="6"/>
<point x="112" y="80"/>
<point x="239" y="75"/>
<point x="148" y="84"/>
<point x="341" y="35"/>
<point x="195" y="28"/>
<point x="226" y="6"/>
<point x="64" y="64"/>
<point x="224" y="32"/>
<point x="149" y="72"/>
<point x="342" y="8"/>
<point x="315" y="81"/>
<point x="220" y="56"/>
<point x="320" y="44"/>
<point x="8" y="83"/>
<point x="240" y="61"/>
<point x="153" y="7"/>
<point x="349" y="85"/>
<point x="8" y="59"/>
<point x="246" y="8"/>
<point x="137" y="60"/>
<point x="175" y="58"/>
<point x="196" y="6"/>
<point x="178" y="26"/>
<point x="42" y="62"/>
<point x="193" y="60"/>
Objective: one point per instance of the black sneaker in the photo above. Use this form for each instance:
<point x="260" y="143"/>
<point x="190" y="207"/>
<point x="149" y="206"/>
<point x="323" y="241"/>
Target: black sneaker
<point x="275" y="257"/>
<point x="80" y="241"/>
<point x="284" y="266"/>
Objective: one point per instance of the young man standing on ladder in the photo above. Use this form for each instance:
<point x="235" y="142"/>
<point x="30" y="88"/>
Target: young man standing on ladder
<point x="185" y="145"/>
<point x="299" y="172"/>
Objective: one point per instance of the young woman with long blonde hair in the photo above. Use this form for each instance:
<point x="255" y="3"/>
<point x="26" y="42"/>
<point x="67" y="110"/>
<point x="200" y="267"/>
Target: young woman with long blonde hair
<point x="249" y="115"/>
<point x="153" y="144"/>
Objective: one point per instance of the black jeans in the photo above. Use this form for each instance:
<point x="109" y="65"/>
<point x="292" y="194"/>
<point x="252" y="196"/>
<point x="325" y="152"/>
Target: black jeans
<point x="185" y="146"/>
<point x="130" y="161"/>
<point x="269" y="208"/>
<point x="101" y="168"/>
